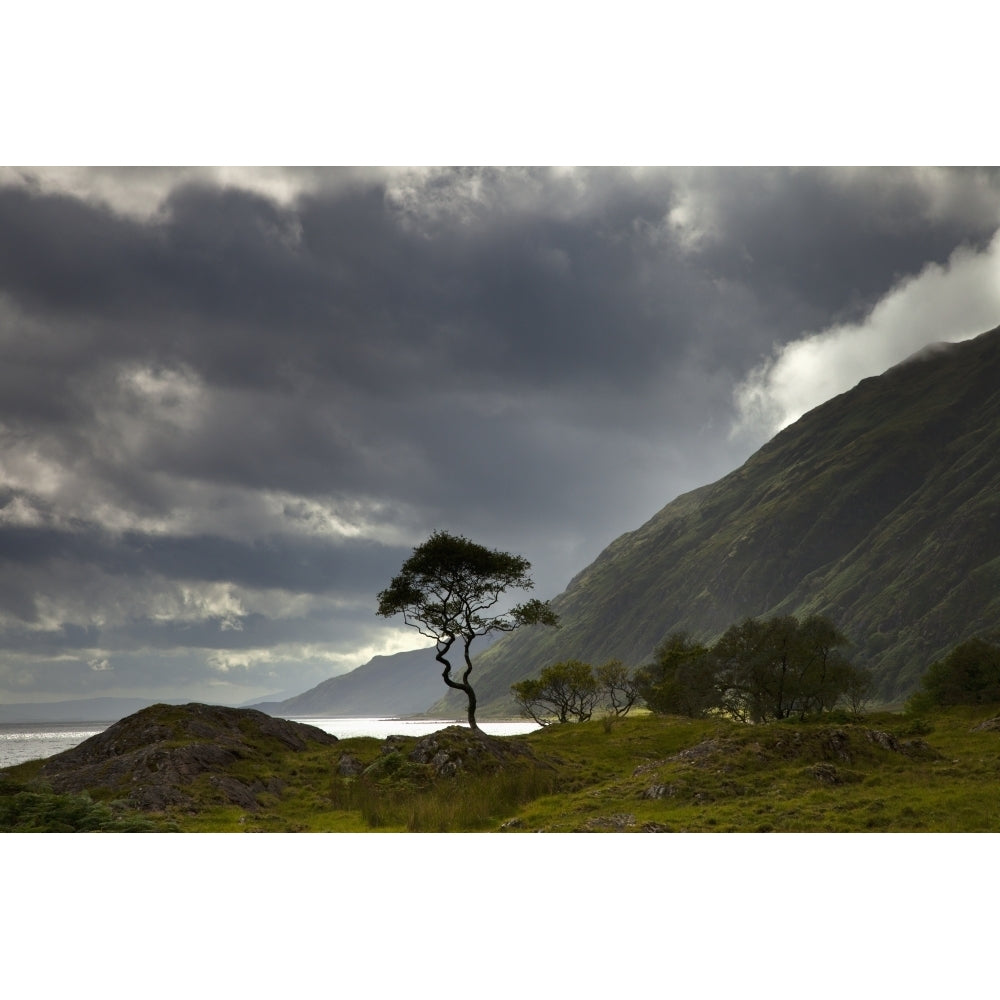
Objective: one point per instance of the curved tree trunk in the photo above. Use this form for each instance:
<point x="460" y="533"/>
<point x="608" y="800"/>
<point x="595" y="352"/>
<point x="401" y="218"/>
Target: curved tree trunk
<point x="463" y="684"/>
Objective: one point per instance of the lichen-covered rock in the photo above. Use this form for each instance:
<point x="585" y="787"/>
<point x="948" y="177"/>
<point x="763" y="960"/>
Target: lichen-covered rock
<point x="837" y="744"/>
<point x="659" y="792"/>
<point x="989" y="726"/>
<point x="700" y="753"/>
<point x="887" y="741"/>
<point x="448" y="753"/>
<point x="616" y="821"/>
<point x="826" y="774"/>
<point x="455" y="749"/>
<point x="349" y="766"/>
<point x="917" y="748"/>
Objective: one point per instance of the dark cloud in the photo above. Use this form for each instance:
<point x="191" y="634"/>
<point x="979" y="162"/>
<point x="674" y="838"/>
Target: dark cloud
<point x="229" y="403"/>
<point x="779" y="230"/>
<point x="297" y="564"/>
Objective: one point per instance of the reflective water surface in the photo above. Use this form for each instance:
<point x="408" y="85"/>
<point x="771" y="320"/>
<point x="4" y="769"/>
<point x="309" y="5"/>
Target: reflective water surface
<point x="380" y="728"/>
<point x="21" y="741"/>
<point x="24" y="741"/>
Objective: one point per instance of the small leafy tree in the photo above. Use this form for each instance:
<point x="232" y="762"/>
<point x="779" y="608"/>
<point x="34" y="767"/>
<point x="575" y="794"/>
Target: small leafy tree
<point x="450" y="590"/>
<point x="823" y="674"/>
<point x="680" y="680"/>
<point x="617" y="687"/>
<point x="737" y="658"/>
<point x="968" y="675"/>
<point x="565" y="691"/>
<point x="859" y="691"/>
<point x="778" y="667"/>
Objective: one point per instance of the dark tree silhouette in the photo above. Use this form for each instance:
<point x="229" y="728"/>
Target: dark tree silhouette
<point x="450" y="590"/>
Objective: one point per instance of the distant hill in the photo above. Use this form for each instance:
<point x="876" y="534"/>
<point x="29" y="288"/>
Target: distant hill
<point x="272" y="698"/>
<point x="880" y="508"/>
<point x="400" y="684"/>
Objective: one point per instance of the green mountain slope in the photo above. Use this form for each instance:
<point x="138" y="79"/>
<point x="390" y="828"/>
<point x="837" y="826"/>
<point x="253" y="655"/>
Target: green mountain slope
<point x="880" y="508"/>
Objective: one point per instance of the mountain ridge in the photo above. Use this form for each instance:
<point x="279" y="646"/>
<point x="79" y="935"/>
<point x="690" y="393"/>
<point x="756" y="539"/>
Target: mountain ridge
<point x="878" y="508"/>
<point x="396" y="684"/>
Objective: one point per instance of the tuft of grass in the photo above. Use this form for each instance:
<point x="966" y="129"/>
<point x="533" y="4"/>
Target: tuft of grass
<point x="465" y="802"/>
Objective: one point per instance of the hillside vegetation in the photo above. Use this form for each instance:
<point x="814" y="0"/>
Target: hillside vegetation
<point x="879" y="509"/>
<point x="886" y="772"/>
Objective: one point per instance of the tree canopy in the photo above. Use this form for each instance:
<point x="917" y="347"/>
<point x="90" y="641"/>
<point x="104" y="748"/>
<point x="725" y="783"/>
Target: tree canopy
<point x="571" y="690"/>
<point x="778" y="667"/>
<point x="679" y="681"/>
<point x="968" y="675"/>
<point x="563" y="691"/>
<point x="451" y="590"/>
<point x="759" y="669"/>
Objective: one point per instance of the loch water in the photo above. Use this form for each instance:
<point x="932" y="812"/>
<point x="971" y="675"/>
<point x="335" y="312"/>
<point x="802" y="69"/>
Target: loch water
<point x="20" y="742"/>
<point x="23" y="741"/>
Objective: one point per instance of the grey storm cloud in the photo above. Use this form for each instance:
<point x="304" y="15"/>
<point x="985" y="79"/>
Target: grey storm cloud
<point x="828" y="244"/>
<point x="225" y="420"/>
<point x="316" y="566"/>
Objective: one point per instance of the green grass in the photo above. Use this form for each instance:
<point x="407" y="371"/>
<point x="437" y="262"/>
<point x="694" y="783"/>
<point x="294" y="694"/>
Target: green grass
<point x="35" y="808"/>
<point x="647" y="773"/>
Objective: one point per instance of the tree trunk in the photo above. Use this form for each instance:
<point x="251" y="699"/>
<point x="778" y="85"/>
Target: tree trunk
<point x="463" y="684"/>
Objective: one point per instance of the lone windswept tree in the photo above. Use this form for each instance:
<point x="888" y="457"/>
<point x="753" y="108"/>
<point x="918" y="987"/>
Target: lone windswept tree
<point x="450" y="590"/>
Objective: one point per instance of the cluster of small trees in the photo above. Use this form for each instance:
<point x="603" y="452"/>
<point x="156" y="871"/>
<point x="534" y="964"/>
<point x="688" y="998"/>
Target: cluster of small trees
<point x="758" y="671"/>
<point x="968" y="675"/>
<point x="571" y="691"/>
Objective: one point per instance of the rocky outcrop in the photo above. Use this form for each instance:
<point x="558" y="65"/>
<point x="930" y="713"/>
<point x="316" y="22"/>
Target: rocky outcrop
<point x="989" y="726"/>
<point x="916" y="748"/>
<point x="349" y="766"/>
<point x="614" y="822"/>
<point x="825" y="749"/>
<point x="153" y="759"/>
<point x="448" y="752"/>
<point x="456" y="749"/>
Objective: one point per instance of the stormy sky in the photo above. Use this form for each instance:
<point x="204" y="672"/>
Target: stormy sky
<point x="233" y="400"/>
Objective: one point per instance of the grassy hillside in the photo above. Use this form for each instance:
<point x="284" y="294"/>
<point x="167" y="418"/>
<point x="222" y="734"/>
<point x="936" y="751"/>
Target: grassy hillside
<point x="879" y="509"/>
<point x="887" y="772"/>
